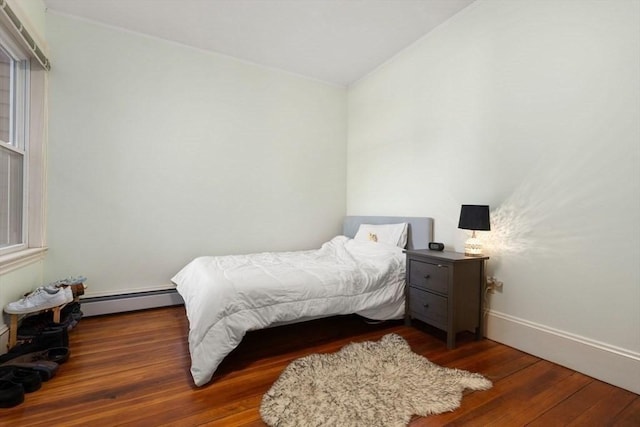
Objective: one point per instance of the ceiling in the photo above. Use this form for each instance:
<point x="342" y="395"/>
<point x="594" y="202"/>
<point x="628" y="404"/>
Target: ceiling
<point x="336" y="41"/>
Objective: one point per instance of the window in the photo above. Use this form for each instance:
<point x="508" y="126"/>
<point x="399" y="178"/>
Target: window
<point x="23" y="135"/>
<point x="13" y="149"/>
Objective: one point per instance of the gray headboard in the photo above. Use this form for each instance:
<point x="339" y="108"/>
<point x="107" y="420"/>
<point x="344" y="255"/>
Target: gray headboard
<point x="420" y="228"/>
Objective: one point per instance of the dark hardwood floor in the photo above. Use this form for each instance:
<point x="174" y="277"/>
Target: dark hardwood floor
<point x="133" y="370"/>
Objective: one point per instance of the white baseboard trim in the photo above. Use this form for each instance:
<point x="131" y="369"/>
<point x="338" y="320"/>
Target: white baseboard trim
<point x="90" y="293"/>
<point x="605" y="362"/>
<point x="109" y="304"/>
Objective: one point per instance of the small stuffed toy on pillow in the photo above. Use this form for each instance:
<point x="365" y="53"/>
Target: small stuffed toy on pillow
<point x="391" y="234"/>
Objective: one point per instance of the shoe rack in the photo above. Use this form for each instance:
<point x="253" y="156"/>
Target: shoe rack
<point x="77" y="290"/>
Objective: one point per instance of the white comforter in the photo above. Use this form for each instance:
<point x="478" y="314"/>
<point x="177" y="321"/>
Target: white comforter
<point x="226" y="296"/>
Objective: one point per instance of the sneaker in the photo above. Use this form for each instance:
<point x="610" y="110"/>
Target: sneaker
<point x="40" y="299"/>
<point x="74" y="280"/>
<point x="75" y="283"/>
<point x="69" y="281"/>
<point x="66" y="290"/>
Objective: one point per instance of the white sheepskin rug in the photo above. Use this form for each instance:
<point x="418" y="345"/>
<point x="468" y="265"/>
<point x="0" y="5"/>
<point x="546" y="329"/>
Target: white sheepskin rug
<point x="369" y="384"/>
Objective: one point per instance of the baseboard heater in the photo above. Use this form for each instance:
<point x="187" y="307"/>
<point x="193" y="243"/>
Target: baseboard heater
<point x="96" y="306"/>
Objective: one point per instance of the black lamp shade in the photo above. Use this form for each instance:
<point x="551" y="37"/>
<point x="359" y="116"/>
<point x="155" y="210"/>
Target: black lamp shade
<point x="474" y="217"/>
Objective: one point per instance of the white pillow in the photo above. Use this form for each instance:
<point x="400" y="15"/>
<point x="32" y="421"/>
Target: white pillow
<point x="391" y="234"/>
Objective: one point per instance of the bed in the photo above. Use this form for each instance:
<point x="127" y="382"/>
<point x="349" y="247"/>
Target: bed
<point x="361" y="271"/>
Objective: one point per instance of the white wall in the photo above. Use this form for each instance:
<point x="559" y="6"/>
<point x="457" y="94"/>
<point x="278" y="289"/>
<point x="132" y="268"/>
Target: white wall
<point x="160" y="153"/>
<point x="532" y="107"/>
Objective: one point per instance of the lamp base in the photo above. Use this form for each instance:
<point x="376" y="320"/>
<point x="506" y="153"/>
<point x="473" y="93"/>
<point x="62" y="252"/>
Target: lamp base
<point x="473" y="246"/>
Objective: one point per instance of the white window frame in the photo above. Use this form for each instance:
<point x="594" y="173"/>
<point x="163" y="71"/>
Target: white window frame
<point x="30" y="136"/>
<point x="18" y="132"/>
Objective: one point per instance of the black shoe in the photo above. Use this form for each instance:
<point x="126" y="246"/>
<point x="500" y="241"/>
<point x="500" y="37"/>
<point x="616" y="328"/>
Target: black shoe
<point x="56" y="354"/>
<point x="53" y="337"/>
<point x="75" y="314"/>
<point x="44" y="368"/>
<point x="11" y="394"/>
<point x="50" y="338"/>
<point x="34" y="325"/>
<point x="72" y="309"/>
<point x="30" y="380"/>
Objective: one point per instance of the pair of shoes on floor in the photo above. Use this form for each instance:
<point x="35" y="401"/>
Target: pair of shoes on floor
<point x="45" y="363"/>
<point x="26" y="373"/>
<point x="44" y="368"/>
<point x="43" y="298"/>
<point x="15" y="382"/>
<point x="58" y="355"/>
<point x="51" y="337"/>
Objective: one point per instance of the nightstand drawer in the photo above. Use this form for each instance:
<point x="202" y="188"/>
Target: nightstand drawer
<point x="428" y="307"/>
<point x="429" y="276"/>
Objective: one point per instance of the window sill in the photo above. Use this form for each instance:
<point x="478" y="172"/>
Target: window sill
<point x="16" y="260"/>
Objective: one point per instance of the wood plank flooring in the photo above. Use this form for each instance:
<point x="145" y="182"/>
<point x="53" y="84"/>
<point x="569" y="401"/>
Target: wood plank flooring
<point x="132" y="369"/>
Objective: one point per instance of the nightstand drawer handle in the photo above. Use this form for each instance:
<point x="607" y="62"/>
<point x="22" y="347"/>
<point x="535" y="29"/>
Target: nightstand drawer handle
<point x="428" y="276"/>
<point x="426" y="306"/>
<point x="440" y="265"/>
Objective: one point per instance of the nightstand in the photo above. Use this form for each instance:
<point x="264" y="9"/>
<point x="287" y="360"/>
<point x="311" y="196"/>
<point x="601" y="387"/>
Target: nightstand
<point x="444" y="290"/>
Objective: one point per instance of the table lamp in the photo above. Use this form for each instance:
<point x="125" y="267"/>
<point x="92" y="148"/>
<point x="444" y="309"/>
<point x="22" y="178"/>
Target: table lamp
<point x="474" y="217"/>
